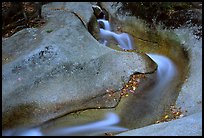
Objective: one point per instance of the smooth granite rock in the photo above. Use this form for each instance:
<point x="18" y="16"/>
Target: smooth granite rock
<point x="60" y="68"/>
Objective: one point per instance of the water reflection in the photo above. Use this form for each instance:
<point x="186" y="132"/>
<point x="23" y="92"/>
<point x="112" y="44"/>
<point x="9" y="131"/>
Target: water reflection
<point x="95" y="128"/>
<point x="165" y="73"/>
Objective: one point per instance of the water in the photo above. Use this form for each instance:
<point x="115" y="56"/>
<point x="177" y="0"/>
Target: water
<point x="98" y="127"/>
<point x="105" y="23"/>
<point x="165" y="74"/>
<point x="166" y="70"/>
<point x="148" y="105"/>
<point x="124" y="40"/>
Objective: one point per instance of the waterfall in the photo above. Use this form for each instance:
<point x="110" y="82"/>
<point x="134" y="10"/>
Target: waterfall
<point x="166" y="69"/>
<point x="123" y="39"/>
<point x="105" y="23"/>
<point x="165" y="73"/>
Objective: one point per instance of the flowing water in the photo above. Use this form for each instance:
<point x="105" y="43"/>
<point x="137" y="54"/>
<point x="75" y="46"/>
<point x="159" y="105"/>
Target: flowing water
<point x="103" y="126"/>
<point x="132" y="112"/>
<point x="166" y="68"/>
<point x="124" y="40"/>
<point x="135" y="111"/>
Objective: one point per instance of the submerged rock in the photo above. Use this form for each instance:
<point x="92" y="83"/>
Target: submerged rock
<point x="55" y="72"/>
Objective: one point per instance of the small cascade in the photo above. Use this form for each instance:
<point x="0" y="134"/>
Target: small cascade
<point x="166" y="69"/>
<point x="105" y="23"/>
<point x="123" y="39"/>
<point x="165" y="72"/>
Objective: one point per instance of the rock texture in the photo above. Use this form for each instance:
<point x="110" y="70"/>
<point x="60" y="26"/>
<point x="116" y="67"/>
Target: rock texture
<point x="60" y="68"/>
<point x="190" y="96"/>
<point x="180" y="127"/>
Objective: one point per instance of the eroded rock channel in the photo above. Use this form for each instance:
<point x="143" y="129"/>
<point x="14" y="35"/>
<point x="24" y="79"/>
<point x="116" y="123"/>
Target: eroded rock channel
<point x="67" y="78"/>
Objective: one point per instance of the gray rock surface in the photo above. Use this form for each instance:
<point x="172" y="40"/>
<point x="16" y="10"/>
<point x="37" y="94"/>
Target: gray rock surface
<point x="83" y="9"/>
<point x="190" y="96"/>
<point x="60" y="68"/>
<point x="187" y="126"/>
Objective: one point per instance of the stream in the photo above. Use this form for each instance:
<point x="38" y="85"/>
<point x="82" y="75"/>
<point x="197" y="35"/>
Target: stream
<point x="132" y="112"/>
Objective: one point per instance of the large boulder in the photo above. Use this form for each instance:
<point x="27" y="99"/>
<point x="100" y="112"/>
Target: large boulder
<point x="60" y="68"/>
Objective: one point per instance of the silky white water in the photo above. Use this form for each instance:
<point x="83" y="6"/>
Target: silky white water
<point x="165" y="72"/>
<point x="124" y="40"/>
<point x="166" y="69"/>
<point x="98" y="127"/>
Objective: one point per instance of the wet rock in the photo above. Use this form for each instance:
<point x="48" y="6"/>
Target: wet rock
<point x="189" y="35"/>
<point x="93" y="28"/>
<point x="98" y="12"/>
<point x="190" y="96"/>
<point x="55" y="72"/>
